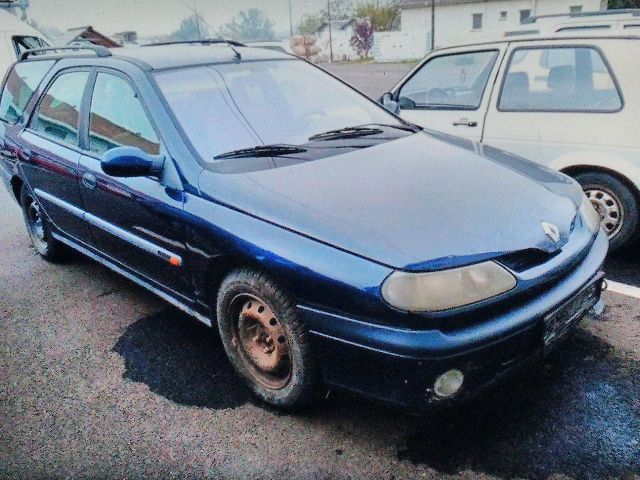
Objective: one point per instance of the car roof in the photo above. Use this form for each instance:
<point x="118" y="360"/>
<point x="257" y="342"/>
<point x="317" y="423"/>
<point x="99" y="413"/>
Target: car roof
<point x="12" y="24"/>
<point x="160" y="57"/>
<point x="533" y="36"/>
<point x="157" y="57"/>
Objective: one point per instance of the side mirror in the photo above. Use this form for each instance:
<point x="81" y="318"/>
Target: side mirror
<point x="390" y="104"/>
<point x="131" y="162"/>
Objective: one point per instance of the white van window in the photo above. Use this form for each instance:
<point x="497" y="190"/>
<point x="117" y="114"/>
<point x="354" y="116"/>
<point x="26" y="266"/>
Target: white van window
<point x="455" y="82"/>
<point x="24" y="43"/>
<point x="21" y="82"/>
<point x="566" y="79"/>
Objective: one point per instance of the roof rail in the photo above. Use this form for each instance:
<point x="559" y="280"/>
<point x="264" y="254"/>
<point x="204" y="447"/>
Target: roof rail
<point x="99" y="50"/>
<point x="634" y="12"/>
<point x="204" y="41"/>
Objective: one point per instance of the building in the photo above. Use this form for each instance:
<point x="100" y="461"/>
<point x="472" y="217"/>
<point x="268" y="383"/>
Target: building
<point x="87" y="34"/>
<point x="465" y="21"/>
<point x="129" y="37"/>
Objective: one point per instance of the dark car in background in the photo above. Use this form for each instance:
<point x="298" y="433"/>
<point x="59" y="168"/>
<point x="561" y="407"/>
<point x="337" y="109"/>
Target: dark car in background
<point x="330" y="241"/>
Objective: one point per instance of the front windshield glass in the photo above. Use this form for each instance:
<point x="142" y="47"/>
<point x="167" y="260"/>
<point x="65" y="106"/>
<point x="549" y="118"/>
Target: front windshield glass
<point x="223" y="108"/>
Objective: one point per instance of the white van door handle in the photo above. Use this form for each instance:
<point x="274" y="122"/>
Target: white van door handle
<point x="465" y="122"/>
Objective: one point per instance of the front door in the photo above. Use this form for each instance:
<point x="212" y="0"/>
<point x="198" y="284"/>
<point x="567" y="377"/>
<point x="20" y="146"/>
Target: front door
<point x="136" y="221"/>
<point x="449" y="93"/>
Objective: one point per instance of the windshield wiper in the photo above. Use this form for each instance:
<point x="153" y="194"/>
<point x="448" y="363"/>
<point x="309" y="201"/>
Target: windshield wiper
<point x="262" y="151"/>
<point x="347" y="132"/>
<point x="448" y="106"/>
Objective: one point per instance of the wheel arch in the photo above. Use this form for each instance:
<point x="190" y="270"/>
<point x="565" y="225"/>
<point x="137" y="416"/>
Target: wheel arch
<point x="16" y="186"/>
<point x="574" y="170"/>
<point x="218" y="268"/>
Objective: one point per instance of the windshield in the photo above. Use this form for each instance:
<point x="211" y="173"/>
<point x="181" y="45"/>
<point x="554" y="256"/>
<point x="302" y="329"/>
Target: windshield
<point x="224" y="108"/>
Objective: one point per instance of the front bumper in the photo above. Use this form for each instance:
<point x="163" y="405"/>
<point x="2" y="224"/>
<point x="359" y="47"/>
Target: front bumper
<point x="400" y="365"/>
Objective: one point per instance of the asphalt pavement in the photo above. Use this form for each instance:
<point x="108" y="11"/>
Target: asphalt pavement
<point x="99" y="378"/>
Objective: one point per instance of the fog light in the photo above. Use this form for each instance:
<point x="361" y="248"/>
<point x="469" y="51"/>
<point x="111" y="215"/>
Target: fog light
<point x="448" y="383"/>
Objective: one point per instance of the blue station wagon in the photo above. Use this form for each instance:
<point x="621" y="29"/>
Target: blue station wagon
<point x="331" y="243"/>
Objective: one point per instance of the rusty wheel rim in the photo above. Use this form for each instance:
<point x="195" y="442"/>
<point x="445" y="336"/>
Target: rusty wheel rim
<point x="262" y="341"/>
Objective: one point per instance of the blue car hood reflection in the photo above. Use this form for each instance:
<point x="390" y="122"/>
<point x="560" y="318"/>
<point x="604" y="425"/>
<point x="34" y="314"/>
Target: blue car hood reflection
<point x="416" y="203"/>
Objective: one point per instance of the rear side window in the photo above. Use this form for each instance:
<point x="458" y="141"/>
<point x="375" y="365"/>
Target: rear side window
<point x="566" y="79"/>
<point x="58" y="115"/>
<point x="22" y="81"/>
<point x="118" y="119"/>
<point x="454" y="82"/>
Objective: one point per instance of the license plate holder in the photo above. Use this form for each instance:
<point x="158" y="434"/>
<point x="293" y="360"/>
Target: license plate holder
<point x="561" y="321"/>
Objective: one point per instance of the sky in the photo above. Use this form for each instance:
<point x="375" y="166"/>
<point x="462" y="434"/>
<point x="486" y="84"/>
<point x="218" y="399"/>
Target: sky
<point x="157" y="17"/>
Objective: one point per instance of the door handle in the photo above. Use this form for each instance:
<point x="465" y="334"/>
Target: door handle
<point x="26" y="153"/>
<point x="464" y="122"/>
<point x="89" y="180"/>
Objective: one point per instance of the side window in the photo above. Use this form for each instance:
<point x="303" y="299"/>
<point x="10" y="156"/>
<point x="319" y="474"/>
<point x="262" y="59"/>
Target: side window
<point x="58" y="114"/>
<point x="21" y="82"/>
<point x="449" y="82"/>
<point x="574" y="79"/>
<point x="118" y="119"/>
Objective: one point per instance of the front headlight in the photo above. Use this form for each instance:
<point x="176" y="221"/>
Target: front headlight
<point x="589" y="214"/>
<point x="436" y="291"/>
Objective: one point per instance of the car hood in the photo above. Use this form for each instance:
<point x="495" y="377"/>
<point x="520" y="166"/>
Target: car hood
<point x="418" y="203"/>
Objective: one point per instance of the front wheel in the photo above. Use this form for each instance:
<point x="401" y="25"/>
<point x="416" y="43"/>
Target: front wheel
<point x="38" y="227"/>
<point x="265" y="340"/>
<point x="617" y="205"/>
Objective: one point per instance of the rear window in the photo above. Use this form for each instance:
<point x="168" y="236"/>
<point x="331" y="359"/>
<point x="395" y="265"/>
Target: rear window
<point x="21" y="82"/>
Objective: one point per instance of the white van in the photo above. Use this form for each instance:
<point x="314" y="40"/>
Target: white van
<point x="16" y="36"/>
<point x="567" y="99"/>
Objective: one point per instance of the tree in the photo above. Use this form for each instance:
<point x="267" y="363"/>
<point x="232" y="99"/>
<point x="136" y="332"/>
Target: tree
<point x="384" y="15"/>
<point x="340" y="10"/>
<point x="624" y="4"/>
<point x="192" y="28"/>
<point x="362" y="39"/>
<point x="250" y="25"/>
<point x="310" y="24"/>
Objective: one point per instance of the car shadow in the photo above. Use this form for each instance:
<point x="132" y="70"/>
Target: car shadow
<point x="574" y="415"/>
<point x="181" y="360"/>
<point x="623" y="266"/>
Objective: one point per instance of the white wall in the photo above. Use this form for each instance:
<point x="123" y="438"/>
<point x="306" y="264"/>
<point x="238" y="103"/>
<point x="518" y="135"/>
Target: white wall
<point x="340" y="40"/>
<point x="402" y="45"/>
<point x="454" y="22"/>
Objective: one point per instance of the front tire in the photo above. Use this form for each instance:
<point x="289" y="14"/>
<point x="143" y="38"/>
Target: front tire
<point x="617" y="205"/>
<point x="265" y="340"/>
<point x="38" y="227"/>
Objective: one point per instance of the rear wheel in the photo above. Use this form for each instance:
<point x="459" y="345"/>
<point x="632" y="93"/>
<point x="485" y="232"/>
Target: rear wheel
<point x="265" y="340"/>
<point x="617" y="205"/>
<point x="38" y="227"/>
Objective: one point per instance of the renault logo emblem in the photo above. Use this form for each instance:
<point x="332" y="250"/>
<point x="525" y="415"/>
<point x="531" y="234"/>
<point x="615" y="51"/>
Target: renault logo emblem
<point x="551" y="231"/>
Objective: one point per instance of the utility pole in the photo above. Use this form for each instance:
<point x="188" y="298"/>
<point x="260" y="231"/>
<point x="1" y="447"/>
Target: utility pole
<point x="290" y="20"/>
<point x="195" y="9"/>
<point x="433" y="25"/>
<point x="330" y="33"/>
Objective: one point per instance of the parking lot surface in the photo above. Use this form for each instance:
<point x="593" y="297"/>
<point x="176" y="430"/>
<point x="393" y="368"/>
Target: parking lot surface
<point x="99" y="378"/>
